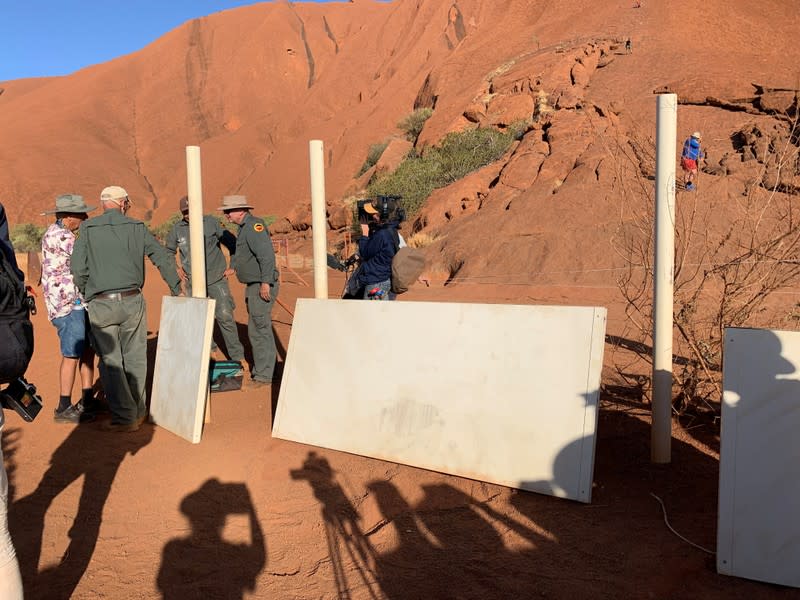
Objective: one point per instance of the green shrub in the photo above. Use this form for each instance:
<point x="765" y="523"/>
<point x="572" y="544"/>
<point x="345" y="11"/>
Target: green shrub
<point x="414" y="123"/>
<point x="458" y="155"/>
<point x="373" y="156"/>
<point x="162" y="231"/>
<point x="27" y="237"/>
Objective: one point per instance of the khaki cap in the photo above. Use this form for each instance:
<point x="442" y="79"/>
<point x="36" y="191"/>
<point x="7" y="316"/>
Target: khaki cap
<point x="113" y="192"/>
<point x="234" y="202"/>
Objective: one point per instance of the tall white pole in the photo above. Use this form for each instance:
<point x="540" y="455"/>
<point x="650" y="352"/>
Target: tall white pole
<point x="318" y="219"/>
<point x="194" y="184"/>
<point x="664" y="267"/>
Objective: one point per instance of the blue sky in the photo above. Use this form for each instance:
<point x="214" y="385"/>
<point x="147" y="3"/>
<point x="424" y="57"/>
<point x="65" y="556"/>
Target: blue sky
<point x="42" y="38"/>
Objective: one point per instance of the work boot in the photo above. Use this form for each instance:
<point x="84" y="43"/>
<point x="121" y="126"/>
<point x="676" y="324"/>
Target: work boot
<point x="256" y="384"/>
<point x="120" y="427"/>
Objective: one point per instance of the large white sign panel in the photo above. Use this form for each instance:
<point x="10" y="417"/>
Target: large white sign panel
<point x="180" y="381"/>
<point x="500" y="393"/>
<point x="758" y="536"/>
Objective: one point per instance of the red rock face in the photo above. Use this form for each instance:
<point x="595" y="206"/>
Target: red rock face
<point x="252" y="86"/>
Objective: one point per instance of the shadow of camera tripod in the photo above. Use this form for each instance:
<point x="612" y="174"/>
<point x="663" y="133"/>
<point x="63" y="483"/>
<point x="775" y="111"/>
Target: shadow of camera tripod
<point x="342" y="526"/>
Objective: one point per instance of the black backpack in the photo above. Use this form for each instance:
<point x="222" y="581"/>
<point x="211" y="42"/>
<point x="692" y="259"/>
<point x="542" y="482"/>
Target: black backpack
<point x="16" y="329"/>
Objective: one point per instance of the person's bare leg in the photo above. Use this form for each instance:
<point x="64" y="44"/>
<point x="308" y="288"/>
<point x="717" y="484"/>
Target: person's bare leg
<point x="87" y="370"/>
<point x="67" y="375"/>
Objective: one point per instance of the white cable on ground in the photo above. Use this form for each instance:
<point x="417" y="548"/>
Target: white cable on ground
<point x="664" y="510"/>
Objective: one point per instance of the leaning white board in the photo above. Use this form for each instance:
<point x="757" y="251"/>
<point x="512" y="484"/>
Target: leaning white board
<point x="500" y="393"/>
<point x="180" y="380"/>
<point x="758" y="534"/>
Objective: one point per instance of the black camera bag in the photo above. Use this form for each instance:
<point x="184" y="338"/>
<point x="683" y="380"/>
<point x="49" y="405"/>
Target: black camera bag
<point x="16" y="329"/>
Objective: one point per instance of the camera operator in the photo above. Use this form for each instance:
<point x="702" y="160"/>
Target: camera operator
<point x="10" y="579"/>
<point x="376" y="249"/>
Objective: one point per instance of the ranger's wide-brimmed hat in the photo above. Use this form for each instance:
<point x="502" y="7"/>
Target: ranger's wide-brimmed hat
<point x="234" y="202"/>
<point x="70" y="203"/>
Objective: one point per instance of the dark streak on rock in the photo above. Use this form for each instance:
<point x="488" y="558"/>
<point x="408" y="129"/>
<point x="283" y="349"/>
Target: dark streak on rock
<point x="139" y="165"/>
<point x="458" y="25"/>
<point x="330" y="34"/>
<point x="196" y="73"/>
<point x="309" y="54"/>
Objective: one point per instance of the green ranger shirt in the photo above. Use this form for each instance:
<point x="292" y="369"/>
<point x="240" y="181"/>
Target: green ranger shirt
<point x="214" y="234"/>
<point x="109" y="252"/>
<point x="254" y="260"/>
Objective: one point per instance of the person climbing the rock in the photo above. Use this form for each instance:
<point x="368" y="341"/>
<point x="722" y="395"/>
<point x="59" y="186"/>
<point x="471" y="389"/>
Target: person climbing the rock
<point x="690" y="158"/>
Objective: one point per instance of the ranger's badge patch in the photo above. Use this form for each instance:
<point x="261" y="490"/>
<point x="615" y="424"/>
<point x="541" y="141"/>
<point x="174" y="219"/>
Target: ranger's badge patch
<point x="258" y="227"/>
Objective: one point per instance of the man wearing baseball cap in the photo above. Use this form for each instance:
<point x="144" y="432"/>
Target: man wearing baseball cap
<point x="108" y="268"/>
<point x="217" y="271"/>
<point x="65" y="307"/>
<point x="254" y="263"/>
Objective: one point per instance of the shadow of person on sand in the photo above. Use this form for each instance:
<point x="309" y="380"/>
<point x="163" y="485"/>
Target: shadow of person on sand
<point x="204" y="565"/>
<point x="89" y="453"/>
<point x="96" y="456"/>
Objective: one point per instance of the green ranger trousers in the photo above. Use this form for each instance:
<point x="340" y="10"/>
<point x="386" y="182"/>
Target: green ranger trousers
<point x="119" y="330"/>
<point x="223" y="315"/>
<point x="259" y="330"/>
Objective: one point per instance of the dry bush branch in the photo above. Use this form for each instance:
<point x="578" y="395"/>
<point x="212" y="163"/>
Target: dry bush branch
<point x="729" y="262"/>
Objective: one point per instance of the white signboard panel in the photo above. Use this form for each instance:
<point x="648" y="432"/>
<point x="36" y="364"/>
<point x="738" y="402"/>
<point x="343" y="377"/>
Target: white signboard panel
<point x="500" y="393"/>
<point x="758" y="535"/>
<point x="180" y="381"/>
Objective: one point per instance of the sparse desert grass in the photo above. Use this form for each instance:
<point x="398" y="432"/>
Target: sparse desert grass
<point x="27" y="237"/>
<point x="459" y="154"/>
<point x="413" y="123"/>
<point x="422" y="239"/>
<point x="373" y="156"/>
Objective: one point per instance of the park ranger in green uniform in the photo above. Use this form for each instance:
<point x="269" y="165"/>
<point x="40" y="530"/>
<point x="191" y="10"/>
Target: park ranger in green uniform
<point x="108" y="268"/>
<point x="217" y="272"/>
<point x="255" y="267"/>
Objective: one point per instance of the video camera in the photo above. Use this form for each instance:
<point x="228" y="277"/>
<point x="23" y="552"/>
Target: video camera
<point x="21" y="396"/>
<point x="344" y="266"/>
<point x="390" y="208"/>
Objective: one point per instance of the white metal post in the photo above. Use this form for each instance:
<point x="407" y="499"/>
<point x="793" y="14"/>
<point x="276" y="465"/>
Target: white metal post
<point x="196" y="241"/>
<point x="318" y="219"/>
<point x="664" y="267"/>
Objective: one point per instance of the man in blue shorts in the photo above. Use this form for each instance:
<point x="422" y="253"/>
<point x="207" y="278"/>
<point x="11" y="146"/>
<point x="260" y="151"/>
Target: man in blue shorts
<point x="65" y="307"/>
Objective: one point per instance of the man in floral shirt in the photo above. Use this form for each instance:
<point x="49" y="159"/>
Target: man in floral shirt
<point x="65" y="306"/>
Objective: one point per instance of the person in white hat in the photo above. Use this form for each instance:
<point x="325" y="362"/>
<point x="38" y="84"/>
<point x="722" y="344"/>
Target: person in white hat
<point x="690" y="158"/>
<point x="108" y="267"/>
<point x="65" y="308"/>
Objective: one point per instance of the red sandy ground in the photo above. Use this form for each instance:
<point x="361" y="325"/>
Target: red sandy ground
<point x="145" y="514"/>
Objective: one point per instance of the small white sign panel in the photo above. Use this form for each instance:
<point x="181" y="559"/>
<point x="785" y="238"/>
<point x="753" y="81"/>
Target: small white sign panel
<point x="501" y="393"/>
<point x="180" y="381"/>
